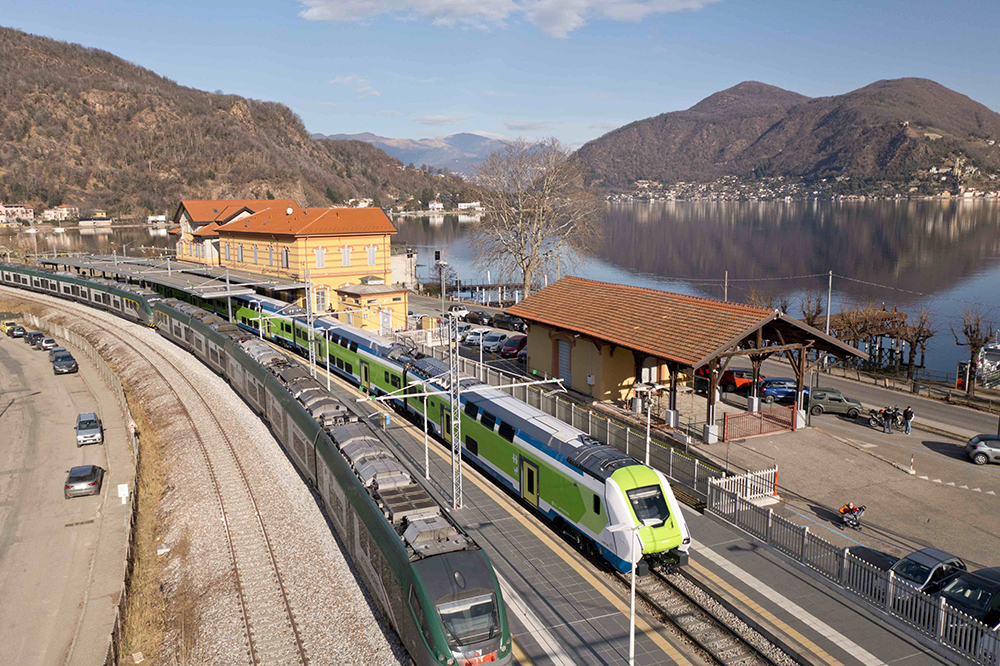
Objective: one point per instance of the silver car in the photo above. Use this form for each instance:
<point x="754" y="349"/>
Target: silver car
<point x="983" y="449"/>
<point x="89" y="429"/>
<point x="494" y="341"/>
<point x="45" y="344"/>
<point x="83" y="481"/>
<point x="55" y="351"/>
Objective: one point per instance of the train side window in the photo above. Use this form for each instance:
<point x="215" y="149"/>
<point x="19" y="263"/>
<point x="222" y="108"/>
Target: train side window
<point x="472" y="445"/>
<point x="597" y="504"/>
<point x="488" y="420"/>
<point x="386" y="376"/>
<point x="394" y="380"/>
<point x="507" y="431"/>
<point x="344" y="343"/>
<point x="340" y="363"/>
<point x="335" y="338"/>
<point x="418" y="615"/>
<point x="354" y="346"/>
<point x="348" y="368"/>
<point x="471" y="410"/>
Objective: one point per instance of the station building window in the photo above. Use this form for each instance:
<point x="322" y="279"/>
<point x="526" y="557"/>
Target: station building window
<point x="239" y="253"/>
<point x="284" y="257"/>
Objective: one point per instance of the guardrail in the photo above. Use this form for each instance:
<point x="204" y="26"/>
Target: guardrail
<point x="762" y="422"/>
<point x="947" y="630"/>
<point x="80" y="343"/>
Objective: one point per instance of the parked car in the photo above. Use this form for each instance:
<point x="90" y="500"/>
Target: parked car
<point x="523" y="354"/>
<point x="89" y="429"/>
<point x="876" y="558"/>
<point x="513" y="346"/>
<point x="64" y="364"/>
<point x="736" y="379"/>
<point x="983" y="449"/>
<point x="31" y="338"/>
<point x="476" y="335"/>
<point x="17" y="332"/>
<point x="509" y="322"/>
<point x="494" y="342"/>
<point x="928" y="569"/>
<point x="975" y="593"/>
<point x="84" y="480"/>
<point x="7" y="325"/>
<point x="479" y="317"/>
<point x="463" y="330"/>
<point x="45" y="344"/>
<point x="777" y="389"/>
<point x="459" y="310"/>
<point x="55" y="351"/>
<point x="822" y="400"/>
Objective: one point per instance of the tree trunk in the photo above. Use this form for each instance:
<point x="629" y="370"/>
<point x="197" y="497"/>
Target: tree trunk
<point x="911" y="361"/>
<point x="527" y="276"/>
<point x="970" y="384"/>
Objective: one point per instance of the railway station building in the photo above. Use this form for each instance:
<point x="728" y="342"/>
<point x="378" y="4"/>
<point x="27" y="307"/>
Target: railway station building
<point x="197" y="221"/>
<point x="331" y="248"/>
<point x="608" y="340"/>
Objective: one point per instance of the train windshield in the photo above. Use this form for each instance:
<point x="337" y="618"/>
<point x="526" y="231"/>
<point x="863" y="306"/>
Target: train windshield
<point x="469" y="621"/>
<point x="649" y="505"/>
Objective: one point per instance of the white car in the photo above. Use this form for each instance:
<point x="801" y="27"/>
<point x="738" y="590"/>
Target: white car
<point x="476" y="335"/>
<point x="494" y="341"/>
<point x="459" y="310"/>
<point x="463" y="330"/>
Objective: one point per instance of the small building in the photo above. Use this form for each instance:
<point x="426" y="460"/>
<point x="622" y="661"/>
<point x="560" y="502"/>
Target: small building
<point x="198" y="220"/>
<point x="329" y="247"/>
<point x="373" y="305"/>
<point x="61" y="213"/>
<point x="435" y="206"/>
<point x="17" y="212"/>
<point x="470" y="205"/>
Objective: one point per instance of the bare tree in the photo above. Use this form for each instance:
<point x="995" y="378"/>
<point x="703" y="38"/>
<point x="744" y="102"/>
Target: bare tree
<point x="766" y="300"/>
<point x="812" y="308"/>
<point x="917" y="335"/>
<point x="537" y="209"/>
<point x="975" y="333"/>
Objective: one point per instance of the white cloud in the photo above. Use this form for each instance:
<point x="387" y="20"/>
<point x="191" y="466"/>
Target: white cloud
<point x="526" y="125"/>
<point x="436" y="121"/>
<point x="359" y="84"/>
<point x="557" y="18"/>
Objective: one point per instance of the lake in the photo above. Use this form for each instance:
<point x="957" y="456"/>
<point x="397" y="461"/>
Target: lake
<point x="939" y="255"/>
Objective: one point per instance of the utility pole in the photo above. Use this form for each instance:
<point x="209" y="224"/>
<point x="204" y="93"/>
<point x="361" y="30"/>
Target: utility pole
<point x="829" y="296"/>
<point x="229" y="299"/>
<point x="441" y="267"/>
<point x="309" y="324"/>
<point x="454" y="390"/>
<point x="725" y="288"/>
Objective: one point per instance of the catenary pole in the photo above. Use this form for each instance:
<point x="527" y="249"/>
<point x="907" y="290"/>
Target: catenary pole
<point x="725" y="289"/>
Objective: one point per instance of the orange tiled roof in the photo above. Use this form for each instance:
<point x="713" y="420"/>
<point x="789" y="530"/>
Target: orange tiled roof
<point x="175" y="230"/>
<point x="203" y="211"/>
<point x="685" y="329"/>
<point x="313" y="222"/>
<point x="207" y="230"/>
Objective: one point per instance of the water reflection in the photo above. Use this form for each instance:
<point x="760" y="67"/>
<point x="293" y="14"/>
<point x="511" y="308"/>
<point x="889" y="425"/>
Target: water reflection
<point x="96" y="240"/>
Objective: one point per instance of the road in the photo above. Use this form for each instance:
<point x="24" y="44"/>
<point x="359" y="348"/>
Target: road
<point x="47" y="543"/>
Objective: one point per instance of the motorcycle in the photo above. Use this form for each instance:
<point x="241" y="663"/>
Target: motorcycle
<point x="876" y="418"/>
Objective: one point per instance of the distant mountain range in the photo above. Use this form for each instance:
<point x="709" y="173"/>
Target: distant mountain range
<point x="461" y="153"/>
<point x="886" y="130"/>
<point x="82" y="126"/>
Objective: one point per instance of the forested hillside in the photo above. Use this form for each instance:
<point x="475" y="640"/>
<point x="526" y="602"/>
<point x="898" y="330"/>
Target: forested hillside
<point x="82" y="126"/>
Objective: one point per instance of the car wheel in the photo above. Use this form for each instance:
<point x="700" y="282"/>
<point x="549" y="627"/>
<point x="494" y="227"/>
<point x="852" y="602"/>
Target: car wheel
<point x="853" y="413"/>
<point x="769" y="399"/>
<point x="980" y="459"/>
<point x="729" y="388"/>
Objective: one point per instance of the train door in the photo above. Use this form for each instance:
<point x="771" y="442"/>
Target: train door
<point x="445" y="421"/>
<point x="529" y="482"/>
<point x="364" y="375"/>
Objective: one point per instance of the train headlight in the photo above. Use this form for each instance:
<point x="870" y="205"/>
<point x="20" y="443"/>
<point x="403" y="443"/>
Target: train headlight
<point x="503" y="648"/>
<point x="450" y="661"/>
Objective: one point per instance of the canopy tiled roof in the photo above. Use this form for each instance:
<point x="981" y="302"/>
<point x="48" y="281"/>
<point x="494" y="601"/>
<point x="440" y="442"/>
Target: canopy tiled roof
<point x="204" y="211"/>
<point x="313" y="222"/>
<point x="685" y="329"/>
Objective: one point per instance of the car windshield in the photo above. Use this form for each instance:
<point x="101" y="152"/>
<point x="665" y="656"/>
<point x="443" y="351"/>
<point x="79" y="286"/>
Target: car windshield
<point x="89" y="424"/>
<point x="63" y="357"/>
<point x="915" y="572"/>
<point x="469" y="621"/>
<point x="649" y="505"/>
<point x="965" y="591"/>
<point x="80" y="473"/>
<point x="493" y="338"/>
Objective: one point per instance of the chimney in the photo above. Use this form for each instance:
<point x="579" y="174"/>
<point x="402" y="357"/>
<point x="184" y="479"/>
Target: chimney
<point x="288" y="211"/>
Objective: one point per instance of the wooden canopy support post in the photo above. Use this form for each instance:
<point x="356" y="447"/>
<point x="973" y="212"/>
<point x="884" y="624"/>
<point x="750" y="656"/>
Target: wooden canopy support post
<point x="673" y="370"/>
<point x="713" y="387"/>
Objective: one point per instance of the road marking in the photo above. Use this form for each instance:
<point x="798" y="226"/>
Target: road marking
<point x="519" y="655"/>
<point x="791" y="607"/>
<point x="964" y="487"/>
<point x="533" y="624"/>
<point x="925" y="478"/>
<point x="864" y="445"/>
<point x="950" y="483"/>
<point x="936" y="481"/>
<point x="977" y="490"/>
<point x="990" y="492"/>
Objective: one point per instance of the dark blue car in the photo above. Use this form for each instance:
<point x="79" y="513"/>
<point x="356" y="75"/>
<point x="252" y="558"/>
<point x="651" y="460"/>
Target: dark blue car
<point x="777" y="389"/>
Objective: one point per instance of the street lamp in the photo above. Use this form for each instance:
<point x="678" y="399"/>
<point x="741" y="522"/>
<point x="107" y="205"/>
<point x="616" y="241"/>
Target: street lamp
<point x="631" y="529"/>
<point x="648" y="389"/>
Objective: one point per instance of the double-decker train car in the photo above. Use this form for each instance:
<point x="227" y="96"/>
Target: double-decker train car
<point x="581" y="485"/>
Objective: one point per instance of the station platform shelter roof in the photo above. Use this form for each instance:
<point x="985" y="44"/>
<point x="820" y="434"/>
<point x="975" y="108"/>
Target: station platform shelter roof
<point x="191" y="278"/>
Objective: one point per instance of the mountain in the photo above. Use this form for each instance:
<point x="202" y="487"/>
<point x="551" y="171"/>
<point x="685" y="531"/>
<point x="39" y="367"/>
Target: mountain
<point x="460" y="153"/>
<point x="887" y="130"/>
<point x="82" y="126"/>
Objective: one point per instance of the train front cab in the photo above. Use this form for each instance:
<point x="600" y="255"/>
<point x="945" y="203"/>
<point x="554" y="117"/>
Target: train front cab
<point x="644" y="496"/>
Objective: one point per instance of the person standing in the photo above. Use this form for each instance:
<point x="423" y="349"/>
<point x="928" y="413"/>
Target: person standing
<point x="907" y="418"/>
<point x="887" y="421"/>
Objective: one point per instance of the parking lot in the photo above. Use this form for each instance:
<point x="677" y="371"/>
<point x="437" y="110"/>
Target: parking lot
<point x="48" y="544"/>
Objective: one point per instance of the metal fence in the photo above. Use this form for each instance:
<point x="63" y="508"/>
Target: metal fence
<point x="950" y="631"/>
<point x="752" y="485"/>
<point x="82" y="346"/>
<point x="763" y="422"/>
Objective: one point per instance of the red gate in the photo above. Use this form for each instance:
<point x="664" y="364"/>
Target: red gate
<point x="764" y="422"/>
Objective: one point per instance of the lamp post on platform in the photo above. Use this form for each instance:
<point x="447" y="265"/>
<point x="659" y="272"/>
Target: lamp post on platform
<point x="631" y="529"/>
<point x="648" y="389"/>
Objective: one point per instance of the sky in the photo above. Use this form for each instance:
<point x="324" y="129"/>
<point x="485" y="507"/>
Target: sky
<point x="572" y="69"/>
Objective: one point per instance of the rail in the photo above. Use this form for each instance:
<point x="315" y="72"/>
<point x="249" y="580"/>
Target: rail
<point x="947" y="630"/>
<point x="80" y="343"/>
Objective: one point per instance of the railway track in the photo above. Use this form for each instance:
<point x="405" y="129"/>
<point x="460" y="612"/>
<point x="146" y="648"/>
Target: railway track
<point x="717" y="642"/>
<point x="272" y="636"/>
